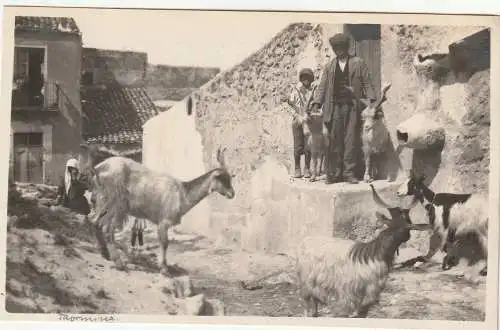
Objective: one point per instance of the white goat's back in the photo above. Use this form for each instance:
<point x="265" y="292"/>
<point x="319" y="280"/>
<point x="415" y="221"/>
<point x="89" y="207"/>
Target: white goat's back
<point x="472" y="215"/>
<point x="142" y="192"/>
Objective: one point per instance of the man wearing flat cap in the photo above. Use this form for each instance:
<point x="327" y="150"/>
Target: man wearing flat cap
<point x="344" y="81"/>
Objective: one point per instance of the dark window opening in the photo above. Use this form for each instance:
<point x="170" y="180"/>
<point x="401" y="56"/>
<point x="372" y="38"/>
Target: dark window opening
<point x="28" y="76"/>
<point x="28" y="139"/>
<point x="88" y="78"/>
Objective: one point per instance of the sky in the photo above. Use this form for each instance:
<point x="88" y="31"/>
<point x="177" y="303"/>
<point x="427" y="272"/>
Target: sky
<point x="180" y="39"/>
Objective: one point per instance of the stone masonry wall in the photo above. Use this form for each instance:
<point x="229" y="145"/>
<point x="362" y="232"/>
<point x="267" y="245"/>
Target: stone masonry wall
<point x="463" y="108"/>
<point x="239" y="108"/>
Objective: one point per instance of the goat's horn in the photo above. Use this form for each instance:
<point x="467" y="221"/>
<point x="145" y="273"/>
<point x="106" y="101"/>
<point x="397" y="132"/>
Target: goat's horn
<point x="379" y="200"/>
<point x="220" y="156"/>
<point x="384" y="92"/>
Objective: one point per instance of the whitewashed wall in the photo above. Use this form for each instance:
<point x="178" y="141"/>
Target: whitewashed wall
<point x="171" y="144"/>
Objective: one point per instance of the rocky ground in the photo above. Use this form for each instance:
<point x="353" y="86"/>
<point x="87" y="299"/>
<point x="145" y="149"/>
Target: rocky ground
<point x="53" y="266"/>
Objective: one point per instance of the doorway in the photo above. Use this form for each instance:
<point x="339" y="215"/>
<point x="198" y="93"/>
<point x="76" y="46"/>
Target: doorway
<point x="365" y="43"/>
<point x="28" y="157"/>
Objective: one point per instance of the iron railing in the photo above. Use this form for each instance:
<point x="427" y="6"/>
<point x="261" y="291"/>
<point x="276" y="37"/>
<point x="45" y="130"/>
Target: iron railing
<point x="26" y="96"/>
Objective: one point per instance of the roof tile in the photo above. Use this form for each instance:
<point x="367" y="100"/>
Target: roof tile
<point x="46" y="24"/>
<point x="116" y="114"/>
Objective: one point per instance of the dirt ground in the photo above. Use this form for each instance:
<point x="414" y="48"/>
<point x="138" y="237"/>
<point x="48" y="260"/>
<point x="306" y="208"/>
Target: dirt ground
<point x="53" y="266"/>
<point x="419" y="293"/>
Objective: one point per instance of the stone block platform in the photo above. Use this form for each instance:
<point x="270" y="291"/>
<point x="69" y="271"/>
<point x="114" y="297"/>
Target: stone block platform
<point x="283" y="210"/>
<point x="294" y="209"/>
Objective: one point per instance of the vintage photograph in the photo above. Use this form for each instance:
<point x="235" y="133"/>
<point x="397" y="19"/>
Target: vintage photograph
<point x="251" y="164"/>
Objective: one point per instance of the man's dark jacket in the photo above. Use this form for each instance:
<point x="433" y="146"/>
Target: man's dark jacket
<point x="359" y="79"/>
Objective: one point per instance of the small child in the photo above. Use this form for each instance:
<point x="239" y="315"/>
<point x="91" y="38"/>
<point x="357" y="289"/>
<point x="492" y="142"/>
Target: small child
<point x="299" y="100"/>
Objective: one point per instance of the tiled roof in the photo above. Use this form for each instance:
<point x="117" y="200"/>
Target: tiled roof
<point x="116" y="114"/>
<point x="46" y="24"/>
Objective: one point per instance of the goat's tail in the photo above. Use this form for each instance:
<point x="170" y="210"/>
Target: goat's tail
<point x="111" y="196"/>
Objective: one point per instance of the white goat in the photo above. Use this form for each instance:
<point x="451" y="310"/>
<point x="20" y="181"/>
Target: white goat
<point x="351" y="273"/>
<point x="124" y="187"/>
<point x="375" y="136"/>
<point x="450" y="215"/>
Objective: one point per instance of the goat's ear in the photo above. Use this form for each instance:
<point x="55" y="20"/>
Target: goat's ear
<point x="382" y="218"/>
<point x="365" y="102"/>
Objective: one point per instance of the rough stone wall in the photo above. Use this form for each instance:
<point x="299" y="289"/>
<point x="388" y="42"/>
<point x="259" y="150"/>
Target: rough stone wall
<point x="461" y="107"/>
<point x="239" y="108"/>
<point x="165" y="82"/>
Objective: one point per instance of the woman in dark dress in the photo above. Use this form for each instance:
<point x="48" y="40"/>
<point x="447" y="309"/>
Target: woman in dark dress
<point x="71" y="193"/>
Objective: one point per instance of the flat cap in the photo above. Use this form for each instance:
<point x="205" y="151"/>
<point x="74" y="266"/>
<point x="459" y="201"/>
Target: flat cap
<point x="339" y="39"/>
<point x="306" y="72"/>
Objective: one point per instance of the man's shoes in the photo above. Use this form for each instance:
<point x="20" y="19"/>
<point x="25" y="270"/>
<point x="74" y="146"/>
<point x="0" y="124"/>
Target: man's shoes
<point x="332" y="180"/>
<point x="297" y="173"/>
<point x="307" y="173"/>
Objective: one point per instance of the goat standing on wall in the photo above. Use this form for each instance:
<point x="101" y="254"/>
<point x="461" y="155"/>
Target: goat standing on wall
<point x="351" y="273"/>
<point x="124" y="187"/>
<point x="375" y="136"/>
<point x="450" y="215"/>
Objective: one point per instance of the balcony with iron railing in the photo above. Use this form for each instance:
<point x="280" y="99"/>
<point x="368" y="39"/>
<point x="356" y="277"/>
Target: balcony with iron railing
<point x="28" y="96"/>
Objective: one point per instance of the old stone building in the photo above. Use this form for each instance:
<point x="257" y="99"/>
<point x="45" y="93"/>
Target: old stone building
<point x="46" y="116"/>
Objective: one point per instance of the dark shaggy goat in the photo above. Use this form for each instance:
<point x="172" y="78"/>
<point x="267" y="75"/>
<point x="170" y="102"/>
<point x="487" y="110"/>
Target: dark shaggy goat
<point x="352" y="274"/>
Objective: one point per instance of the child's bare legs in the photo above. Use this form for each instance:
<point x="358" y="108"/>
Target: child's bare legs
<point x="307" y="150"/>
<point x="314" y="172"/>
<point x="298" y="146"/>
<point x="316" y="166"/>
<point x="307" y="165"/>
